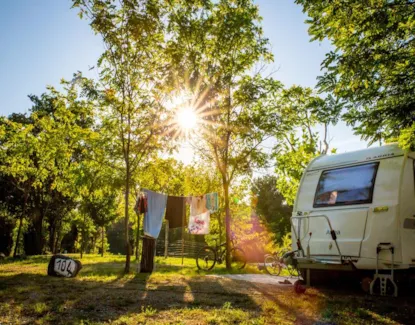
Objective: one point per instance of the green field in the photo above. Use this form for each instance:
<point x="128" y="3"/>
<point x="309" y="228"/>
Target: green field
<point x="175" y="294"/>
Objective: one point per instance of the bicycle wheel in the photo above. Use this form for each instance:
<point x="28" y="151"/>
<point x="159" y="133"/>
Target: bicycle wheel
<point x="238" y="258"/>
<point x="271" y="265"/>
<point x="291" y="265"/>
<point x="206" y="258"/>
<point x="292" y="270"/>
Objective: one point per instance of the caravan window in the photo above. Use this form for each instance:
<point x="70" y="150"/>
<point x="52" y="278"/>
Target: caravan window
<point x="346" y="186"/>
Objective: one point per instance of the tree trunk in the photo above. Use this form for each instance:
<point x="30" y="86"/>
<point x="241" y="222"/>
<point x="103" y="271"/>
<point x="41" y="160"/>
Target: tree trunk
<point x="166" y="240"/>
<point x="18" y="236"/>
<point x="127" y="240"/>
<point x="102" y="241"/>
<point x="58" y="235"/>
<point x="227" y="224"/>
<point x="137" y="237"/>
<point x="52" y="234"/>
<point x="39" y="235"/>
<point x="82" y="243"/>
<point x="6" y="235"/>
<point x="33" y="239"/>
<point x="147" y="255"/>
<point x="20" y="225"/>
<point x="220" y="216"/>
<point x="83" y="237"/>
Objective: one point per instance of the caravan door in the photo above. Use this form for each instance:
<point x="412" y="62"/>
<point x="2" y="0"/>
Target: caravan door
<point x="343" y="195"/>
<point x="349" y="226"/>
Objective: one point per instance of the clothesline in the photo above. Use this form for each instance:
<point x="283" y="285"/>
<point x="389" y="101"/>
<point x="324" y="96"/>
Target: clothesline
<point x="184" y="196"/>
<point x="155" y="205"/>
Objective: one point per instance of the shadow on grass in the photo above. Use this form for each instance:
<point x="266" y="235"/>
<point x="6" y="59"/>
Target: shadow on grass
<point x="102" y="294"/>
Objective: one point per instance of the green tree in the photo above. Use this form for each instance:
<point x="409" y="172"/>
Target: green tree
<point x="216" y="44"/>
<point x="131" y="73"/>
<point x="301" y="111"/>
<point x="102" y="209"/>
<point x="272" y="209"/>
<point x="98" y="182"/>
<point x="59" y="208"/>
<point x="373" y="64"/>
<point x="10" y="205"/>
<point x="16" y="168"/>
<point x="38" y="158"/>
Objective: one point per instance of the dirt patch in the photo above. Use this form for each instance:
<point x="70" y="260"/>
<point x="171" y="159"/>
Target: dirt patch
<point x="260" y="278"/>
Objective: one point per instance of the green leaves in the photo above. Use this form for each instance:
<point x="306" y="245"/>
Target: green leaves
<point x="41" y="157"/>
<point x="42" y="146"/>
<point x="131" y="73"/>
<point x="373" y="66"/>
<point x="212" y="47"/>
<point x="271" y="208"/>
<point x="300" y="111"/>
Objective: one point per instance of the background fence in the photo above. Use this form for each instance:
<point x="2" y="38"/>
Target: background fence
<point x="177" y="242"/>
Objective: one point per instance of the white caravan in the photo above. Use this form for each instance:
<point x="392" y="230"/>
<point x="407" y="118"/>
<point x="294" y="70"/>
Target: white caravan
<point x="356" y="212"/>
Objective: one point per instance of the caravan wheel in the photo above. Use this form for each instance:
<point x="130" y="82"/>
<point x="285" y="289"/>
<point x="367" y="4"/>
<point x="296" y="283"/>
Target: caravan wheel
<point x="365" y="284"/>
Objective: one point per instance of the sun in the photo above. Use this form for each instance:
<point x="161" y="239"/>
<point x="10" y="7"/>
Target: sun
<point x="186" y="118"/>
<point x="191" y="115"/>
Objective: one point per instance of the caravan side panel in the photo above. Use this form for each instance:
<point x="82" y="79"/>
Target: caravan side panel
<point x="382" y="227"/>
<point x="406" y="223"/>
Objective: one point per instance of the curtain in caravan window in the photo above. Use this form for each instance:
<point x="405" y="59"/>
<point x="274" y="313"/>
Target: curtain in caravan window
<point x="345" y="186"/>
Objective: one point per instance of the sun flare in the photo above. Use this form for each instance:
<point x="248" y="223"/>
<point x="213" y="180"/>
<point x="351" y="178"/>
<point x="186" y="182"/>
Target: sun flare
<point x="193" y="116"/>
<point x="186" y="118"/>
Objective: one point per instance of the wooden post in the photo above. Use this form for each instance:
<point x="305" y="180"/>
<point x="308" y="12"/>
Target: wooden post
<point x="147" y="255"/>
<point x="137" y="236"/>
<point x="166" y="240"/>
<point x="183" y="220"/>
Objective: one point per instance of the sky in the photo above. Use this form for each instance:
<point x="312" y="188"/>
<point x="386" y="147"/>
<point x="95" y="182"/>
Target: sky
<point x="44" y="41"/>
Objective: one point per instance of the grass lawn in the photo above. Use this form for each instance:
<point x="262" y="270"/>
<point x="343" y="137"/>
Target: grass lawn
<point x="176" y="294"/>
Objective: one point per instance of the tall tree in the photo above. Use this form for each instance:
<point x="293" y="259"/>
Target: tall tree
<point x="39" y="157"/>
<point x="16" y="168"/>
<point x="373" y="64"/>
<point x="131" y="71"/>
<point x="302" y="112"/>
<point x="216" y="44"/>
<point x="271" y="207"/>
<point x="10" y="205"/>
<point x="102" y="209"/>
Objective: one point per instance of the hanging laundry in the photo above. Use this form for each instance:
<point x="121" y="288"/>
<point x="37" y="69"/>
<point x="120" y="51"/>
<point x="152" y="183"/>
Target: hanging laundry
<point x="197" y="205"/>
<point x="199" y="224"/>
<point x="141" y="204"/>
<point x="176" y="211"/>
<point x="212" y="202"/>
<point x="153" y="218"/>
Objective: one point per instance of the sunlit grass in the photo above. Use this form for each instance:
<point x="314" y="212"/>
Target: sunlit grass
<point x="172" y="294"/>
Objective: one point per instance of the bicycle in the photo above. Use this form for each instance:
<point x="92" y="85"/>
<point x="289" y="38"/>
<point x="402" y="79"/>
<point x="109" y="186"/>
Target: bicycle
<point x="208" y="256"/>
<point x="274" y="263"/>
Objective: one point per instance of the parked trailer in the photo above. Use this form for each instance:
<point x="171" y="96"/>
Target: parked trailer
<point x="356" y="212"/>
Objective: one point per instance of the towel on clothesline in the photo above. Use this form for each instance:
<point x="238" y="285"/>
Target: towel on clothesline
<point x="141" y="204"/>
<point x="176" y="211"/>
<point x="199" y="224"/>
<point x="197" y="205"/>
<point x="153" y="218"/>
<point x="212" y="202"/>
